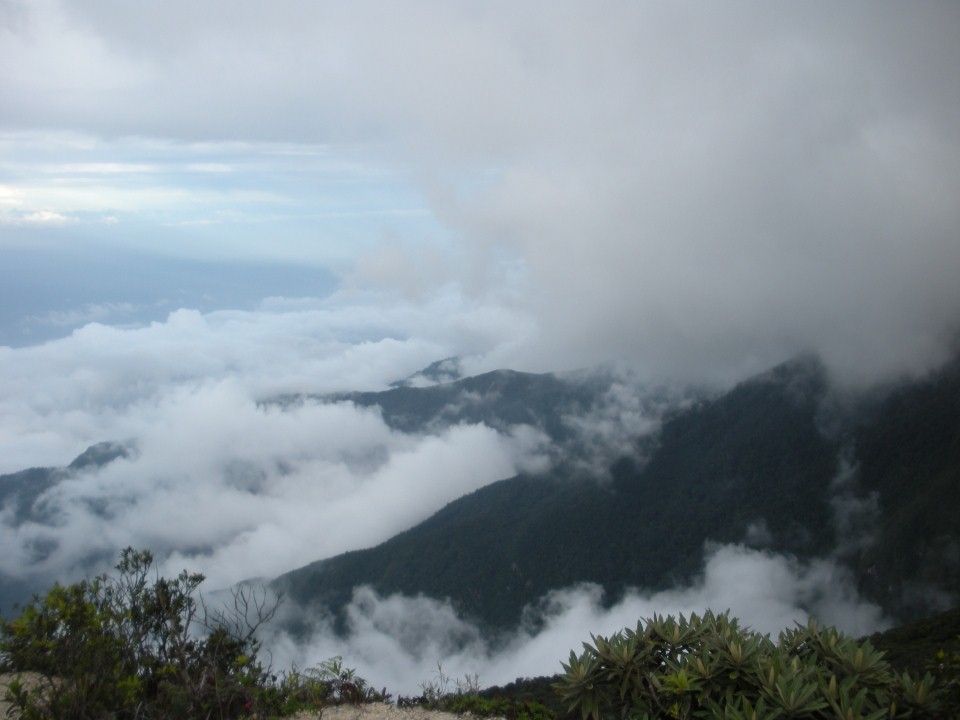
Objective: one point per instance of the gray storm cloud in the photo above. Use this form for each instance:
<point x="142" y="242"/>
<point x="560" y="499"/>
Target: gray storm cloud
<point x="699" y="190"/>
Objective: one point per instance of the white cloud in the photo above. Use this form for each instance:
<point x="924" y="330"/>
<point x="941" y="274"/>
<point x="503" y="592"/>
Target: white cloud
<point x="235" y="489"/>
<point x="398" y="641"/>
<point x="692" y="190"/>
<point x="10" y="196"/>
<point x="43" y="217"/>
<point x="221" y="482"/>
<point x="100" y="198"/>
<point x="60" y="397"/>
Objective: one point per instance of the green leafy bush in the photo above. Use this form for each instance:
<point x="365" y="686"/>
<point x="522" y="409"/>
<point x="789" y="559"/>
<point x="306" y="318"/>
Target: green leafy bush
<point x="709" y="667"/>
<point x="498" y="707"/>
<point x="343" y="684"/>
<point x="133" y="645"/>
<point x="536" y="693"/>
<point x="946" y="670"/>
<point x="463" y="696"/>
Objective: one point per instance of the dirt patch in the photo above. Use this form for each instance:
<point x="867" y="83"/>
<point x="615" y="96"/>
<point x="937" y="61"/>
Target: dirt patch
<point x="369" y="711"/>
<point x="379" y="711"/>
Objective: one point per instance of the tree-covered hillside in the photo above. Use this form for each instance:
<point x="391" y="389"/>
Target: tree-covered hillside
<point x="909" y="456"/>
<point x="499" y="399"/>
<point x="878" y="491"/>
<point x="21" y="501"/>
<point x="753" y="455"/>
<point x="779" y="462"/>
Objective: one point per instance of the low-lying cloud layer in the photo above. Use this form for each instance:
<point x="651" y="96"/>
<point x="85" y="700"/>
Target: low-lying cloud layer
<point x="221" y="480"/>
<point x="398" y="641"/>
<point x="111" y="383"/>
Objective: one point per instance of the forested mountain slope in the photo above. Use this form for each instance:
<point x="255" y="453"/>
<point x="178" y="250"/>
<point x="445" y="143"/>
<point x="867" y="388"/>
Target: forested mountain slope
<point x="878" y="491"/>
<point x="499" y="399"/>
<point x="780" y="462"/>
<point x="908" y="452"/>
<point x="752" y="458"/>
<point x="21" y="501"/>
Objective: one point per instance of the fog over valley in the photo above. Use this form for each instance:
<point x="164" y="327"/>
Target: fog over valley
<point x="309" y="288"/>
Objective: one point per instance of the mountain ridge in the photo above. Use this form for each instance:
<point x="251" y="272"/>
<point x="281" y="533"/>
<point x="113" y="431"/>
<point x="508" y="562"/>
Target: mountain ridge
<point x="774" y="463"/>
<point x="754" y="457"/>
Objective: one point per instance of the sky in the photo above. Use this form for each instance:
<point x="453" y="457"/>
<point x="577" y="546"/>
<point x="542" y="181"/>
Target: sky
<point x="204" y="205"/>
<point x="694" y="189"/>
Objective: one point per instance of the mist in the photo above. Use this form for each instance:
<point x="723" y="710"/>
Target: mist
<point x="401" y="642"/>
<point x="697" y="191"/>
<point x="221" y="479"/>
<point x="238" y="464"/>
<point x="205" y="207"/>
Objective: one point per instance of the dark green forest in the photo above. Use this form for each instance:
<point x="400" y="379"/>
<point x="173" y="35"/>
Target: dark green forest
<point x="768" y="451"/>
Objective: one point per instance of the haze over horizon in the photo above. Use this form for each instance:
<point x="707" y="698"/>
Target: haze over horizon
<point x="699" y="191"/>
<point x="204" y="205"/>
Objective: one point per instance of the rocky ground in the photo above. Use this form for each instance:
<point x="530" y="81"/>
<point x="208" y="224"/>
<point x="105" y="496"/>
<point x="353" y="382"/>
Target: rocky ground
<point x="372" y="711"/>
<point x="378" y="711"/>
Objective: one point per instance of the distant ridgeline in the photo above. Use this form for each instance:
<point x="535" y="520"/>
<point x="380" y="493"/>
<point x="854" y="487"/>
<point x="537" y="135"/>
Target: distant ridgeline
<point x="778" y="461"/>
<point x="21" y="502"/>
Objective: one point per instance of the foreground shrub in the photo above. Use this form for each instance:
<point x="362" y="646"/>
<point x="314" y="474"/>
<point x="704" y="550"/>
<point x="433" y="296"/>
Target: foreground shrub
<point x="946" y="670"/>
<point x="496" y="707"/>
<point x="132" y="646"/>
<point x="711" y="668"/>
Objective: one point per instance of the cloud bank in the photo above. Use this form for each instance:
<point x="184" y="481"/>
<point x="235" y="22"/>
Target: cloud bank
<point x="108" y="383"/>
<point x="697" y="190"/>
<point x="399" y="641"/>
<point x="222" y="479"/>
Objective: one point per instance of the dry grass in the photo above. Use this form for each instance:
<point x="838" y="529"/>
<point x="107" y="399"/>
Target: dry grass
<point x="29" y="679"/>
